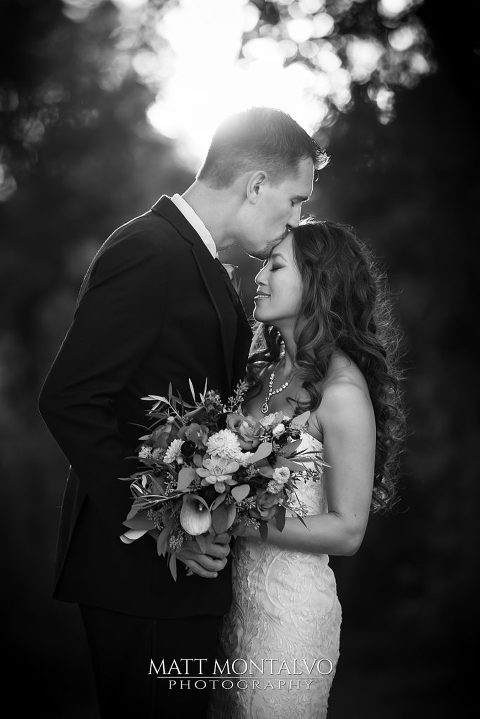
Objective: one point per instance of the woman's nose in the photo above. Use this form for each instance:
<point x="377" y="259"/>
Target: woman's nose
<point x="259" y="277"/>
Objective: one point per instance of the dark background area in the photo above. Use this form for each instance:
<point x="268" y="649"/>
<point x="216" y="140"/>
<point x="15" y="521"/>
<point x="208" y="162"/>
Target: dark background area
<point x="84" y="160"/>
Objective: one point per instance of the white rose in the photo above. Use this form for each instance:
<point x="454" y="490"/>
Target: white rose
<point x="145" y="452"/>
<point x="281" y="474"/>
<point x="278" y="430"/>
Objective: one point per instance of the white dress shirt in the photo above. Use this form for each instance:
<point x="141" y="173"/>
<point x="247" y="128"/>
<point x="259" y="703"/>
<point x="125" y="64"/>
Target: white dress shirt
<point x="191" y="216"/>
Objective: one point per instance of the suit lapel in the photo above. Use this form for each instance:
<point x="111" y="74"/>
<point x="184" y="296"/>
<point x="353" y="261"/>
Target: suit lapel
<point x="212" y="278"/>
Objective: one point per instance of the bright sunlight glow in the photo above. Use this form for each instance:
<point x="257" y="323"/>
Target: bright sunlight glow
<point x="208" y="80"/>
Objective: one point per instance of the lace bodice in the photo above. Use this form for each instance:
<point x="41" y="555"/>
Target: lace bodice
<point x="284" y="608"/>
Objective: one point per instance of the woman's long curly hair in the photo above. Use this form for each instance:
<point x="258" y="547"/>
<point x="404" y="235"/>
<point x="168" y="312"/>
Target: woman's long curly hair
<point x="344" y="307"/>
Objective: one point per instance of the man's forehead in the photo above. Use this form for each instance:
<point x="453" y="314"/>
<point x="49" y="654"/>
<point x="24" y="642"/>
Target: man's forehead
<point x="301" y="181"/>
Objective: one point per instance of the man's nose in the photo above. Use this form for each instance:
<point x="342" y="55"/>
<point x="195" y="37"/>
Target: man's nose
<point x="295" y="217"/>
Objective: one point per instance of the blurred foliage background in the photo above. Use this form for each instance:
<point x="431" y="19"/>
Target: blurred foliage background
<point x="97" y="120"/>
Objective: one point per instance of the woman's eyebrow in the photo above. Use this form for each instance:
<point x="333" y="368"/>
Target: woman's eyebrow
<point x="278" y="254"/>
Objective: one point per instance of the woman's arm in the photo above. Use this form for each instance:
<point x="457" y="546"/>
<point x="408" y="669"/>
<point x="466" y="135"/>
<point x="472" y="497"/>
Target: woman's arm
<point x="347" y="420"/>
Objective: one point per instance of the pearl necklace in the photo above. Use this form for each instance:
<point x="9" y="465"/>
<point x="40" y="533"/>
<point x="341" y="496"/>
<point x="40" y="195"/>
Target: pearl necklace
<point x="271" y="391"/>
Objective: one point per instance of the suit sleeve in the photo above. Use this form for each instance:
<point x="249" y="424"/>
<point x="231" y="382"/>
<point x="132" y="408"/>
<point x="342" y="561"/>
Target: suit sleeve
<point x="117" y="320"/>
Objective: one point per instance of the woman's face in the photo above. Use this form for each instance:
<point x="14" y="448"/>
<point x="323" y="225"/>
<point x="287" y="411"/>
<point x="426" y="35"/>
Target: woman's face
<point x="279" y="294"/>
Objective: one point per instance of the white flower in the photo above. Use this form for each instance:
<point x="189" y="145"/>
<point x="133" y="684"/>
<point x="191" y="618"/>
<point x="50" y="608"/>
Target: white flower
<point x="225" y="444"/>
<point x="173" y="451"/>
<point x="281" y="474"/>
<point x="145" y="453"/>
<point x="278" y="430"/>
<point x="246" y="458"/>
<point x="274" y="487"/>
<point x="218" y="471"/>
<point x="157" y="453"/>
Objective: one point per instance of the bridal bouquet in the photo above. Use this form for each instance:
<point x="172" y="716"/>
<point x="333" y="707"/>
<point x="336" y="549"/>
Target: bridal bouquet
<point x="208" y="468"/>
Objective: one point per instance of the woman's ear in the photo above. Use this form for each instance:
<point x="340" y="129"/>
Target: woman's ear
<point x="255" y="184"/>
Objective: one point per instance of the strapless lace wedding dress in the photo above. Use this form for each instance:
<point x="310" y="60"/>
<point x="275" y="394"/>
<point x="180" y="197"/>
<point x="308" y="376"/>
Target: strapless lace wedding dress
<point x="283" y="627"/>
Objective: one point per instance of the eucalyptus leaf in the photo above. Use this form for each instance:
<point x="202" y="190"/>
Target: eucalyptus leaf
<point x="263" y="451"/>
<point x="301" y="420"/>
<point x="198" y="460"/>
<point x="185" y="477"/>
<point x="240" y="492"/>
<point x="265" y="471"/>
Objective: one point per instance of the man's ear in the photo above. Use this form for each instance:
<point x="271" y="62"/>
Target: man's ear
<point x="255" y="184"/>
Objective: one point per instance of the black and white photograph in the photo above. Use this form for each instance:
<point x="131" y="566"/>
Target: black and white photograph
<point x="239" y="423"/>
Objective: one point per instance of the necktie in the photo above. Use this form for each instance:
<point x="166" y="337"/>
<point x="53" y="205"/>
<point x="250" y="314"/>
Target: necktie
<point x="231" y="289"/>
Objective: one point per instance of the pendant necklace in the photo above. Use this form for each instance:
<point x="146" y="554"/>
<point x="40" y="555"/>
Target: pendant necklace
<point x="271" y="391"/>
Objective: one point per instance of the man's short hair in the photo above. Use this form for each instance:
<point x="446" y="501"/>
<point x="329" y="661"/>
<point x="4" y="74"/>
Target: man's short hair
<point x="258" y="138"/>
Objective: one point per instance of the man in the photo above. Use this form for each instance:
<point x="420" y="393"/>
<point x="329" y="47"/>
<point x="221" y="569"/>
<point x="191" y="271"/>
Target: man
<point x="156" y="307"/>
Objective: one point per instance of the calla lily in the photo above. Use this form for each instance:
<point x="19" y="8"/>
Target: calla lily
<point x="195" y="515"/>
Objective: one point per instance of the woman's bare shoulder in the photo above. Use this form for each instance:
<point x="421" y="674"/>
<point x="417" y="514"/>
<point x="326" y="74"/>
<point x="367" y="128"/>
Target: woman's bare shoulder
<point x="345" y="394"/>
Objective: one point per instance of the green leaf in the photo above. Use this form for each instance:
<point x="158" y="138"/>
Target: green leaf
<point x="263" y="451"/>
<point x="162" y="541"/>
<point x="139" y="521"/>
<point x="302" y="521"/>
<point x="185" y="477"/>
<point x="263" y="531"/>
<point x="223" y="517"/>
<point x="157" y="486"/>
<point x="289" y="449"/>
<point x="133" y="512"/>
<point x="198" y="460"/>
<point x="301" y="420"/>
<point x="202" y="542"/>
<point x="217" y="501"/>
<point x="265" y="471"/>
<point x="240" y="492"/>
<point x="280" y="518"/>
<point x="285" y="462"/>
<point x="192" y="389"/>
<point x="156" y="397"/>
<point x="172" y="563"/>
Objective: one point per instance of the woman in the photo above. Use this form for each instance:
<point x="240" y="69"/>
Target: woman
<point x="323" y="345"/>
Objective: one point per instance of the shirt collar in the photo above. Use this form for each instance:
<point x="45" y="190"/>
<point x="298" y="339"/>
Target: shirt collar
<point x="191" y="216"/>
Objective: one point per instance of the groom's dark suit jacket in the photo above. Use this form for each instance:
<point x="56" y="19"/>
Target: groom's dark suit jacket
<point x="154" y="308"/>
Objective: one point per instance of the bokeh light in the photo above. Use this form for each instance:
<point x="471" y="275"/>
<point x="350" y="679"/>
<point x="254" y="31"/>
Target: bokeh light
<point x="206" y="60"/>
